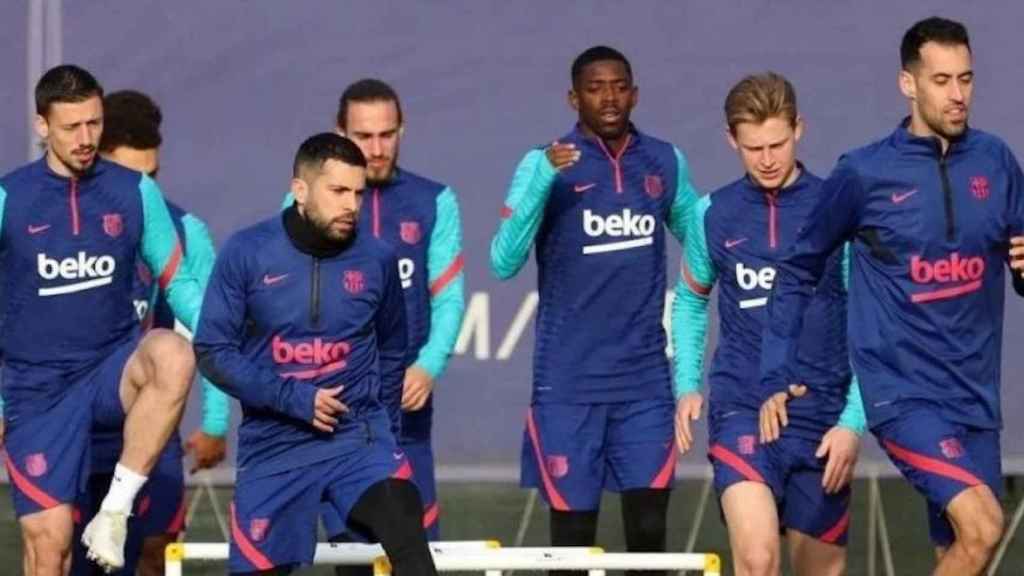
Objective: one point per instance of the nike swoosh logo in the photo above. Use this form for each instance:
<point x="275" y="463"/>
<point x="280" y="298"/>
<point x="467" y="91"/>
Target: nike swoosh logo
<point x="268" y="279"/>
<point x="37" y="229"/>
<point x="734" y="243"/>
<point x="580" y="188"/>
<point x="898" y="198"/>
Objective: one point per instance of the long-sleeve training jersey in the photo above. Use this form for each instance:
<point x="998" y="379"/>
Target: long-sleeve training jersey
<point x="599" y="227"/>
<point x="283" y="318"/>
<point x="69" y="253"/>
<point x="735" y="237"/>
<point x="929" y="235"/>
<point x="419" y="219"/>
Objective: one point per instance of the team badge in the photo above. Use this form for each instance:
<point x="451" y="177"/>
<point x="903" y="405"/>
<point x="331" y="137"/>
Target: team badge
<point x="113" y="225"/>
<point x="353" y="281"/>
<point x="35" y="464"/>
<point x="653" y="186"/>
<point x="951" y="448"/>
<point x="979" y="187"/>
<point x="258" y="528"/>
<point x="557" y="465"/>
<point x="410" y="232"/>
<point x="745" y="444"/>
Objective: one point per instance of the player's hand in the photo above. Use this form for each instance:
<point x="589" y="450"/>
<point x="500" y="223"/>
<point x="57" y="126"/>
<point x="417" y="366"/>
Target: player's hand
<point x="416" y="388"/>
<point x="561" y="155"/>
<point x="841" y="446"/>
<point x="1017" y="255"/>
<point x="207" y="451"/>
<point x="773" y="412"/>
<point x="326" y="407"/>
<point x="687" y="408"/>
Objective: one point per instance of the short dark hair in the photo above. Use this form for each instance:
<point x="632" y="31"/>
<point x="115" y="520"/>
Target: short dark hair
<point x="65" y="83"/>
<point x="598" y="54"/>
<point x="131" y="119"/>
<point x="934" y="29"/>
<point x="326" y="146"/>
<point x="366" y="90"/>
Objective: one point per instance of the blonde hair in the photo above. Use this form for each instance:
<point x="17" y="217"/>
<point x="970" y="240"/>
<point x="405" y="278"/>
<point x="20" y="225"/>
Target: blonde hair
<point x="758" y="97"/>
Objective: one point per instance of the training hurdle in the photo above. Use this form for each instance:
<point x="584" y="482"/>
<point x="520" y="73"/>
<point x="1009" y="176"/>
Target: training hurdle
<point x="339" y="554"/>
<point x="595" y="562"/>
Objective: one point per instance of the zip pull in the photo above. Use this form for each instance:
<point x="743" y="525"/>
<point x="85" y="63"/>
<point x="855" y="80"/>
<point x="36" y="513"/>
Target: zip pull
<point x="75" y="225"/>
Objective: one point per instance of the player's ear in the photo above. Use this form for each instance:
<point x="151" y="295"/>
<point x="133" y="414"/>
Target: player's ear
<point x="41" y="126"/>
<point x="731" y="138"/>
<point x="798" y="128"/>
<point x="907" y="84"/>
<point x="300" y="190"/>
<point x="340" y="131"/>
<point x="574" y="99"/>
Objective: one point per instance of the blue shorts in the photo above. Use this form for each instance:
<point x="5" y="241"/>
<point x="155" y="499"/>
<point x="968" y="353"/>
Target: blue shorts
<point x="48" y="451"/>
<point x="788" y="467"/>
<point x="420" y="470"/>
<point x="159" y="509"/>
<point x="572" y="452"/>
<point x="941" y="459"/>
<point x="274" y="518"/>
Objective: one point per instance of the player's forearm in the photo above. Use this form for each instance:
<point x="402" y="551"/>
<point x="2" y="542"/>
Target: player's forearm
<point x="254" y="387"/>
<point x="216" y="410"/>
<point x="689" y="329"/>
<point x="853" y="416"/>
<point x="522" y="214"/>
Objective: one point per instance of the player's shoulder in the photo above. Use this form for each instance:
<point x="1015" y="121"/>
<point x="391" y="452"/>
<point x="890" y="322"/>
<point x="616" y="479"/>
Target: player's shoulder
<point x="118" y="177"/>
<point x="254" y="239"/>
<point x="369" y="246"/>
<point x="728" y="196"/>
<point x="988" y="143"/>
<point x="21" y="177"/>
<point x="419" y="182"/>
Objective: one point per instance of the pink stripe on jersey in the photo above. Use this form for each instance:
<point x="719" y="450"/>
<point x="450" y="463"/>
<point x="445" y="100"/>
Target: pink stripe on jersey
<point x="730" y="459"/>
<point x="667" y="470"/>
<point x="33" y="492"/>
<point x="836" y="532"/>
<point x="933" y="465"/>
<point x="450" y="274"/>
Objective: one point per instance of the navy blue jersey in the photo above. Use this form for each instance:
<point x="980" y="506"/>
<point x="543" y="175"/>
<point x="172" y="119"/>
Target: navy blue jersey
<point x="70" y="247"/>
<point x="737" y="234"/>
<point x="599" y="228"/>
<point x="930" y="233"/>
<point x="279" y="323"/>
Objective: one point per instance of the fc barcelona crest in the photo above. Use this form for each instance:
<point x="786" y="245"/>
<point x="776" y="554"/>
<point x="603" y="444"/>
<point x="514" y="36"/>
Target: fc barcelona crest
<point x="353" y="281"/>
<point x="113" y="225"/>
<point x="258" y="528"/>
<point x="653" y="186"/>
<point x="35" y="464"/>
<point x="410" y="232"/>
<point x="979" y="187"/>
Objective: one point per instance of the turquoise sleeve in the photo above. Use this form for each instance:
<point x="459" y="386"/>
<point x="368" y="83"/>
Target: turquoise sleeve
<point x="690" y="303"/>
<point x="447" y="284"/>
<point x="289" y="199"/>
<point x="3" y="203"/>
<point x="852" y="416"/>
<point x="200" y="256"/>
<point x="161" y="251"/>
<point x="522" y="214"/>
<point x="686" y="197"/>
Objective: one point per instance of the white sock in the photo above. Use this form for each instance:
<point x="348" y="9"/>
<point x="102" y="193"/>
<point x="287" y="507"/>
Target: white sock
<point x="123" y="488"/>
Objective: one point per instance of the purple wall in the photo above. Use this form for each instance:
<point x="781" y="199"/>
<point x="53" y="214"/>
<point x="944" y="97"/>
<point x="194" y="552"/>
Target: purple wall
<point x="242" y="83"/>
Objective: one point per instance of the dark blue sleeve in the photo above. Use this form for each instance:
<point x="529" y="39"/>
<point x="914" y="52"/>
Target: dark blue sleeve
<point x="390" y="327"/>
<point x="832" y="221"/>
<point x="218" y="345"/>
<point x="1015" y="211"/>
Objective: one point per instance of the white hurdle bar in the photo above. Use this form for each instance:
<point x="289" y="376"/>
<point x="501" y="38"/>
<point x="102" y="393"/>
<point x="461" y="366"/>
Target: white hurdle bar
<point x="595" y="563"/>
<point x="339" y="554"/>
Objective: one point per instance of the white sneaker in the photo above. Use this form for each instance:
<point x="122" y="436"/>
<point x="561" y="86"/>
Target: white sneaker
<point x="104" y="539"/>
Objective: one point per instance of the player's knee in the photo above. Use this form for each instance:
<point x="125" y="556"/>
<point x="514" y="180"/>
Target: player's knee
<point x="757" y="559"/>
<point x="170" y="356"/>
<point x="48" y="543"/>
<point x="979" y="533"/>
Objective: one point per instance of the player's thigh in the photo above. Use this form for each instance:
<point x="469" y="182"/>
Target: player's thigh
<point x="640" y="448"/>
<point x="273" y="518"/>
<point x="806" y="507"/>
<point x="940" y="460"/>
<point x="563" y="454"/>
<point x="48" y="531"/>
<point x="751" y="517"/>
